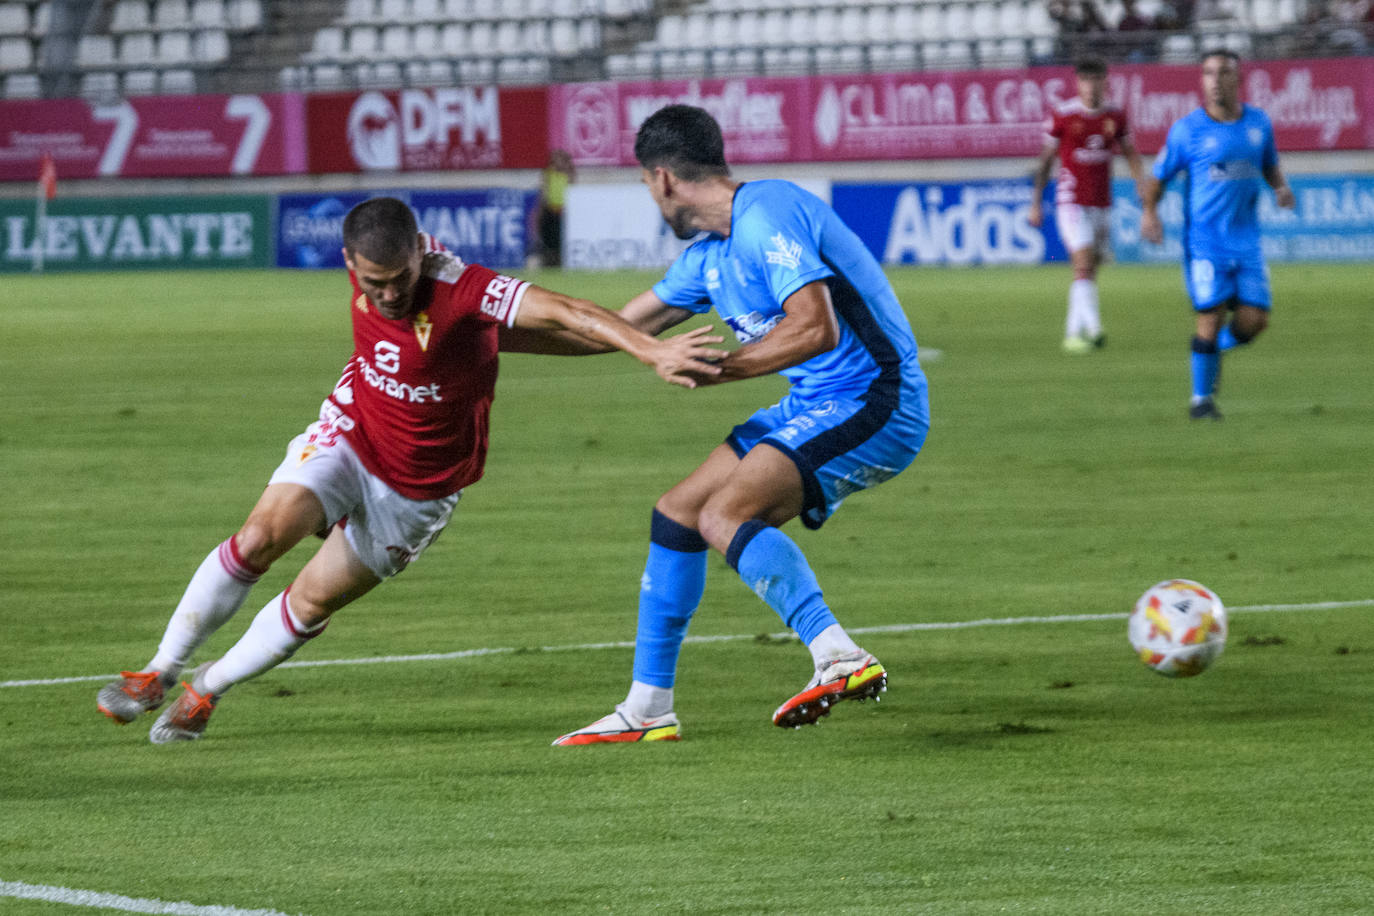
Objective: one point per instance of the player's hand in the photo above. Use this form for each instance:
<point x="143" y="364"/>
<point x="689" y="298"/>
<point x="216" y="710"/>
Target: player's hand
<point x="687" y="359"/>
<point x="1036" y="215"/>
<point x="1284" y="197"/>
<point x="1151" y="230"/>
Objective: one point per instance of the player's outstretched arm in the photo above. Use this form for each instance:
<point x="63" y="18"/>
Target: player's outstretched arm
<point x="645" y="311"/>
<point x="808" y="328"/>
<point x="681" y="360"/>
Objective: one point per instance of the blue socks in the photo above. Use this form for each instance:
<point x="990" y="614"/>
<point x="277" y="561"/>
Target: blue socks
<point x="674" y="580"/>
<point x="1206" y="366"/>
<point x="1226" y="339"/>
<point x="773" y="566"/>
<point x="767" y="560"/>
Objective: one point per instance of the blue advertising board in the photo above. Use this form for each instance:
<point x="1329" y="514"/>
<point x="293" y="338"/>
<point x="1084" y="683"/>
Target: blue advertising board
<point x="488" y="227"/>
<point x="1333" y="221"/>
<point x="987" y="222"/>
<point x="982" y="222"/>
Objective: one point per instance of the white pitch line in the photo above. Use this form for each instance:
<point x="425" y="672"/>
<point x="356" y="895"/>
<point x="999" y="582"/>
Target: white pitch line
<point x="593" y="646"/>
<point x="74" y="897"/>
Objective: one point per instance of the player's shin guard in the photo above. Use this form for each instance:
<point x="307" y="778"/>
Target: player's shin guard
<point x="273" y="637"/>
<point x="215" y="593"/>
<point x="1206" y="366"/>
<point x="669" y="592"/>
<point x="773" y="566"/>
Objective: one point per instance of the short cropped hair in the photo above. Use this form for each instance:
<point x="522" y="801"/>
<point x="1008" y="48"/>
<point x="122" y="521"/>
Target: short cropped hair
<point x="1220" y="52"/>
<point x="382" y="229"/>
<point x="1090" y="66"/>
<point x="684" y="139"/>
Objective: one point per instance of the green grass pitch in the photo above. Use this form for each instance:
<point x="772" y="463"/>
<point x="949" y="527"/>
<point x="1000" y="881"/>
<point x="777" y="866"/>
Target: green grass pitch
<point x="1035" y="768"/>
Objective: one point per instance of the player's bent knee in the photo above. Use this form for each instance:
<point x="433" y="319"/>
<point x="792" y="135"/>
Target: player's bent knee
<point x="261" y="544"/>
<point x="307" y="609"/>
<point x="717" y="528"/>
<point x="679" y="508"/>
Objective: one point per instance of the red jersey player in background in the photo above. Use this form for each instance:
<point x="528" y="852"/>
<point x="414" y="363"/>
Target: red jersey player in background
<point x="1084" y="133"/>
<point x="380" y="472"/>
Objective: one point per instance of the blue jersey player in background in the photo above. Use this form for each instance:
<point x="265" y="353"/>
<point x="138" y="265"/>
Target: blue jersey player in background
<point x="1224" y="149"/>
<point x="808" y="301"/>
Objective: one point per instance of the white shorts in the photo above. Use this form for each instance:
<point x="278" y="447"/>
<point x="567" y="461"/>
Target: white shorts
<point x="387" y="531"/>
<point x="1084" y="227"/>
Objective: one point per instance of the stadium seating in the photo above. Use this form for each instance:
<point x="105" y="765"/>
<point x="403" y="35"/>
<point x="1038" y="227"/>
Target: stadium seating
<point x="140" y="46"/>
<point x="128" y="46"/>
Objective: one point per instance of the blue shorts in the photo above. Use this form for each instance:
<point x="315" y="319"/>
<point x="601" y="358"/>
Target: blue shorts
<point x="1227" y="281"/>
<point x="840" y="445"/>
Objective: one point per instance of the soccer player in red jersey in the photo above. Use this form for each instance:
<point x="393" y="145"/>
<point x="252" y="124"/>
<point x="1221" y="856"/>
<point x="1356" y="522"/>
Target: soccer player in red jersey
<point x="1084" y="133"/>
<point x="380" y="472"/>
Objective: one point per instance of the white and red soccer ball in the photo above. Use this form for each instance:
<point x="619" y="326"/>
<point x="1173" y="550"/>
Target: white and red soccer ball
<point x="1178" y="627"/>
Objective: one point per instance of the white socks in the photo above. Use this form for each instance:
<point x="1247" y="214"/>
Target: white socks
<point x="273" y="637"/>
<point x="831" y="643"/>
<point x="647" y="701"/>
<point x="1084" y="319"/>
<point x="216" y="591"/>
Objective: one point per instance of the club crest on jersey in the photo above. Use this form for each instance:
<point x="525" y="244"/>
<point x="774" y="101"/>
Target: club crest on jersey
<point x="423" y="327"/>
<point x="785" y="252"/>
<point x="361" y="303"/>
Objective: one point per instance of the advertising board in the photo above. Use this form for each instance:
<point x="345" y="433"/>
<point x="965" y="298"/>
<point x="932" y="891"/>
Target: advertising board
<point x="983" y="223"/>
<point x="488" y="227"/>
<point x="153" y="137"/>
<point x="618" y="227"/>
<point x="1314" y="104"/>
<point x="1333" y="221"/>
<point x="138" y="233"/>
<point x="437" y="129"/>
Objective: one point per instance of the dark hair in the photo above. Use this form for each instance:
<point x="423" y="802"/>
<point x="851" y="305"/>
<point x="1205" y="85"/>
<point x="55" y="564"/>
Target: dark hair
<point x="684" y="139"/>
<point x="1220" y="52"/>
<point x="382" y="229"/>
<point x="1090" y="66"/>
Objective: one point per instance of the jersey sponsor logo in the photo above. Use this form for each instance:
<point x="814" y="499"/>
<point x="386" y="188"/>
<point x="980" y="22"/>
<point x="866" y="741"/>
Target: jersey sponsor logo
<point x="387" y="356"/>
<point x="749" y="328"/>
<point x="1234" y="170"/>
<point x="423" y="326"/>
<point x="713" y="279"/>
<point x="389" y="360"/>
<point x="784" y="252"/>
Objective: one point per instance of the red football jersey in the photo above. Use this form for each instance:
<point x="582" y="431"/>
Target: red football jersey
<point x="416" y="396"/>
<point x="1087" y="141"/>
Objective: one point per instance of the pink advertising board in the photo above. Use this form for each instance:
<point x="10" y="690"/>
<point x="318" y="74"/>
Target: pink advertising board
<point x="154" y="137"/>
<point x="1315" y="105"/>
<point x="763" y="119"/>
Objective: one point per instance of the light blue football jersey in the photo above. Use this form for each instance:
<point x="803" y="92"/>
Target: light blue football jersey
<point x="782" y="238"/>
<point x="1223" y="166"/>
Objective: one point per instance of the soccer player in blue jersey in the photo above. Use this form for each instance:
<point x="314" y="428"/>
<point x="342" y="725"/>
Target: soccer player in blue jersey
<point x="808" y="301"/>
<point x="1224" y="149"/>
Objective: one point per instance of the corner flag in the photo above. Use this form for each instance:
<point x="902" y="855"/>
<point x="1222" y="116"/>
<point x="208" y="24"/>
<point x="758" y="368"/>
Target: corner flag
<point x="47" y="190"/>
<point x="47" y="177"/>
